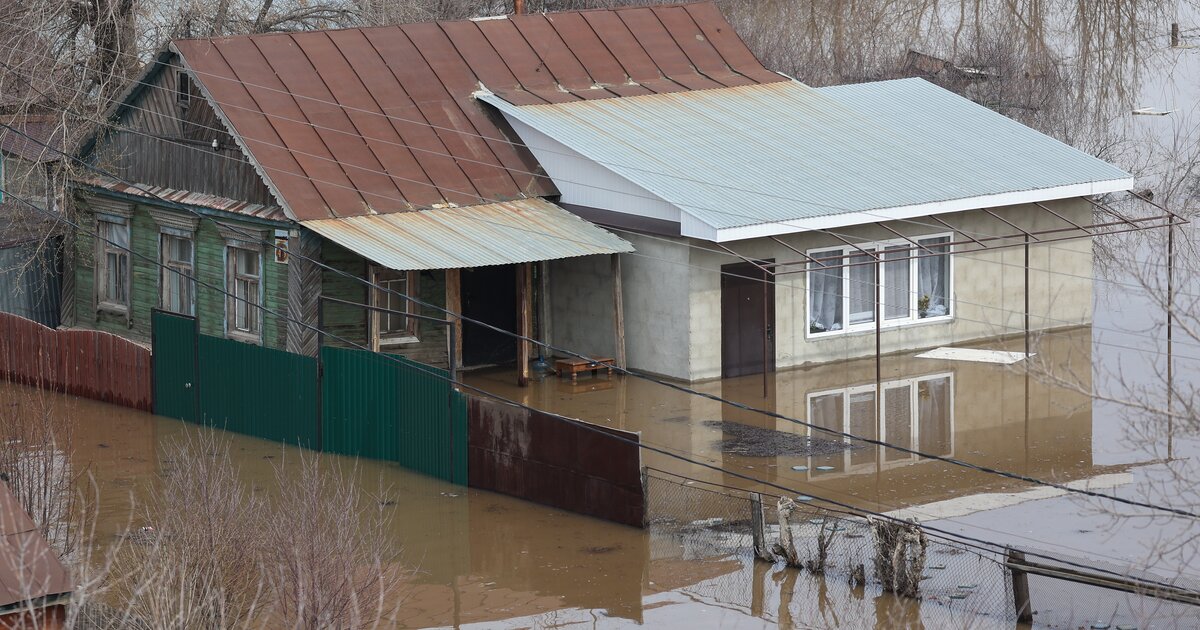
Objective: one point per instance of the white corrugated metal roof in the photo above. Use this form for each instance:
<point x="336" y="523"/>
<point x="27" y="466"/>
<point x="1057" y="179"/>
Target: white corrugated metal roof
<point x="525" y="230"/>
<point x="784" y="157"/>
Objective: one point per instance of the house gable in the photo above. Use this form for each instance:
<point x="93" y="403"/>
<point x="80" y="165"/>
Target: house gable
<point x="162" y="136"/>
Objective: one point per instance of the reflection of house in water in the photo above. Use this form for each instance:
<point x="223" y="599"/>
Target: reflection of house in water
<point x="917" y="414"/>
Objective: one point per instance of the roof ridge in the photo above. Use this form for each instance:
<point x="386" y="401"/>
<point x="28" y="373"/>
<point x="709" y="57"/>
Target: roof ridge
<point x="372" y="27"/>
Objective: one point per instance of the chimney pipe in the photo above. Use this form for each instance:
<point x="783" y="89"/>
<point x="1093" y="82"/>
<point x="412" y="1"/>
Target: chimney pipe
<point x="518" y="7"/>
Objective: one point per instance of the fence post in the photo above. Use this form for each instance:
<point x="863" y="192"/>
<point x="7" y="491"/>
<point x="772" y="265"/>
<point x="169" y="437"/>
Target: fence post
<point x="1020" y="586"/>
<point x="758" y="528"/>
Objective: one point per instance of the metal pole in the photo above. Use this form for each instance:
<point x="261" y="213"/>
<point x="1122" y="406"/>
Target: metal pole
<point x="766" y="334"/>
<point x="1025" y="432"/>
<point x="1170" y="339"/>
<point x="878" y="322"/>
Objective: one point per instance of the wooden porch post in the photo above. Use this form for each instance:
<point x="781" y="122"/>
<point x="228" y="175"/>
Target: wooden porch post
<point x="524" y="321"/>
<point x="618" y="311"/>
<point x="454" y="305"/>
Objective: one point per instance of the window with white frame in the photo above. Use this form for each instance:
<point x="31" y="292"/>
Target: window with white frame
<point x="178" y="293"/>
<point x="112" y="263"/>
<point x="243" y="281"/>
<point x="916" y="414"/>
<point x="914" y="284"/>
<point x="391" y="325"/>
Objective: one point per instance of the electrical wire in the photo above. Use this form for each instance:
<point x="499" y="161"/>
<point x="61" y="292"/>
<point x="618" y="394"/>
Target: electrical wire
<point x="746" y="407"/>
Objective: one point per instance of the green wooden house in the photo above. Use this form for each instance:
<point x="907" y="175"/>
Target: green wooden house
<point x="258" y="180"/>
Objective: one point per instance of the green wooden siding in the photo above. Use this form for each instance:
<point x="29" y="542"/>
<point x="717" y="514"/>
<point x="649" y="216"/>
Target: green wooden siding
<point x="209" y="266"/>
<point x="350" y="322"/>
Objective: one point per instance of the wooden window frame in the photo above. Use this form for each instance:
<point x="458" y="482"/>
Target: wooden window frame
<point x="104" y="301"/>
<point x="232" y="277"/>
<point x="411" y="332"/>
<point x="186" y="271"/>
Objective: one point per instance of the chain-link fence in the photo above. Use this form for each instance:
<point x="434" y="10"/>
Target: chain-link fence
<point x="892" y="567"/>
<point x="832" y="568"/>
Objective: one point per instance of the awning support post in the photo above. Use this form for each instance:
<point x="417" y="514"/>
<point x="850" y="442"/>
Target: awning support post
<point x="524" y="322"/>
<point x="618" y="310"/>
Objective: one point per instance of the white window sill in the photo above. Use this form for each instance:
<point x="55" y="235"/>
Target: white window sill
<point x="112" y="307"/>
<point x="397" y="341"/>
<point x="869" y="328"/>
<point x="244" y="337"/>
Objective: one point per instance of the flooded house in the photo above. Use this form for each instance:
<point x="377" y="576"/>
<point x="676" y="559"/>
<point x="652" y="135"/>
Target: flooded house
<point x="30" y="241"/>
<point x="622" y="183"/>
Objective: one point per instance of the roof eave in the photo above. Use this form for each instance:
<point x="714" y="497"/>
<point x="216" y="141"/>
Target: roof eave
<point x="834" y="221"/>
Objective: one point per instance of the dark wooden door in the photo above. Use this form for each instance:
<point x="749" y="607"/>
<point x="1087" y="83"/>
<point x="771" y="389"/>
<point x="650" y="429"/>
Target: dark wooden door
<point x="747" y="321"/>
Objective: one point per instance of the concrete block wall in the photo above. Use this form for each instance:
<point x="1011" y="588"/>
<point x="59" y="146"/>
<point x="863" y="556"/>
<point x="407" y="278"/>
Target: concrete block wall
<point x="988" y="289"/>
<point x="581" y="305"/>
<point x="656" y="282"/>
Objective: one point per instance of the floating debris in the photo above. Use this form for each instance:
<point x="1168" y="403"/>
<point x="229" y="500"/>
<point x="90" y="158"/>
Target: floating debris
<point x="824" y="468"/>
<point x="1100" y="625"/>
<point x="799" y="468"/>
<point x="752" y="441"/>
<point x="816" y="521"/>
<point x="937" y="566"/>
<point x="959" y="595"/>
<point x="968" y="587"/>
<point x="803" y="497"/>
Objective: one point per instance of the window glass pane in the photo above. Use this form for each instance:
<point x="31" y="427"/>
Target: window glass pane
<point x="933" y="279"/>
<point x="897" y="421"/>
<point x="862" y="289"/>
<point x="825" y="292"/>
<point x="897" y="288"/>
<point x="118" y="234"/>
<point x="827" y="411"/>
<point x="394" y="286"/>
<point x="247" y="262"/>
<point x="933" y="411"/>
<point x="862" y="423"/>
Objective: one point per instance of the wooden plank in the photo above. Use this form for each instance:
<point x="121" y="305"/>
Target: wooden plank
<point x="454" y="305"/>
<point x="618" y="311"/>
<point x="524" y="321"/>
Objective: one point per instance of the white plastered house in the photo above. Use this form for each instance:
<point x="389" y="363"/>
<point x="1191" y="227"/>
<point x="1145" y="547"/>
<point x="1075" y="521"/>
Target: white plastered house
<point x="822" y="191"/>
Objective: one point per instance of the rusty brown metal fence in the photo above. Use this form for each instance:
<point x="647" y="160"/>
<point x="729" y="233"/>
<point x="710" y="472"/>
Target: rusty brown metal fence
<point x="530" y="455"/>
<point x="85" y="363"/>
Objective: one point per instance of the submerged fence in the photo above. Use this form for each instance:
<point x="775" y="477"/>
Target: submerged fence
<point x="875" y="573"/>
<point x="85" y="363"/>
<point x="345" y="401"/>
<point x="348" y="402"/>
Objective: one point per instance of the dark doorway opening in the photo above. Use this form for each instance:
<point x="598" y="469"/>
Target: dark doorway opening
<point x="747" y="321"/>
<point x="489" y="294"/>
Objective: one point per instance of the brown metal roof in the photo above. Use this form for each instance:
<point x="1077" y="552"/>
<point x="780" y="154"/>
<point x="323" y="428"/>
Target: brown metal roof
<point x="29" y="569"/>
<point x="382" y="119"/>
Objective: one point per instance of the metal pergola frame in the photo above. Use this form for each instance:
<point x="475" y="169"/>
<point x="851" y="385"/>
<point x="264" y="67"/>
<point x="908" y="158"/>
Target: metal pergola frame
<point x="1162" y="218"/>
<point x="1072" y="231"/>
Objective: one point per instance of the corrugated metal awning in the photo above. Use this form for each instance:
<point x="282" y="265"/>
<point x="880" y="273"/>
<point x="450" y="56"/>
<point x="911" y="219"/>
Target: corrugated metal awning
<point x="525" y="230"/>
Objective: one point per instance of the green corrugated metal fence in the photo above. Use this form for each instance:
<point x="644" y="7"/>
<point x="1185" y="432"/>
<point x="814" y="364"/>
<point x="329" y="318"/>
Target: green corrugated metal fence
<point x="258" y="391"/>
<point x="376" y="406"/>
<point x="176" y="392"/>
<point x="388" y="407"/>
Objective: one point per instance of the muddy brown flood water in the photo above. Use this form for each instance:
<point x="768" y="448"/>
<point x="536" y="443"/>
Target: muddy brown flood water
<point x="485" y="560"/>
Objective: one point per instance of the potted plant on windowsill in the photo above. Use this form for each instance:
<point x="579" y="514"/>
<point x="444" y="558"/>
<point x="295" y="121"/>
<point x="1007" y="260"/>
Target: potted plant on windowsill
<point x="923" y="306"/>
